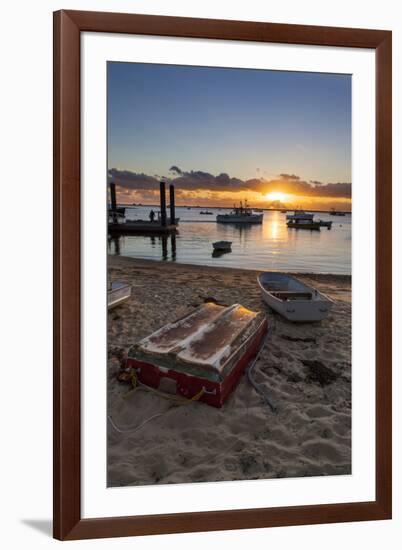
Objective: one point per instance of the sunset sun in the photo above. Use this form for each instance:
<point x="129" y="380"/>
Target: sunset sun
<point x="275" y="196"/>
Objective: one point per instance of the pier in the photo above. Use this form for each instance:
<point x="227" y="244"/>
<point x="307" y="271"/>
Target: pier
<point x="118" y="225"/>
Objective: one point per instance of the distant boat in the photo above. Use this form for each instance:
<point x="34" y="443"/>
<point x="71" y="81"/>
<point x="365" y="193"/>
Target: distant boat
<point x="241" y="214"/>
<point x="293" y="299"/>
<point x="224" y="246"/>
<point x="283" y="211"/>
<point x="300" y="215"/>
<point x="304" y="224"/>
<point x="206" y="212"/>
<point x="334" y="212"/>
<point x="324" y="223"/>
<point x="118" y="293"/>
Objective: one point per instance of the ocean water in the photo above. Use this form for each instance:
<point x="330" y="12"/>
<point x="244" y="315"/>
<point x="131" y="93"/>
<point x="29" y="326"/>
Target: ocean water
<point x="270" y="246"/>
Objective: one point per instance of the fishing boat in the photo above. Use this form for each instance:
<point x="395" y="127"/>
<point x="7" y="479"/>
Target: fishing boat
<point x="304" y="224"/>
<point x="293" y="299"/>
<point x="201" y="355"/>
<point x="224" y="246"/>
<point x="241" y="214"/>
<point x="118" y="293"/>
<point x="300" y="215"/>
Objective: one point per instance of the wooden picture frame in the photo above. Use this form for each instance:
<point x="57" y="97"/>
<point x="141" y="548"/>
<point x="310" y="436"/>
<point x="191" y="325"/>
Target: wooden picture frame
<point x="68" y="26"/>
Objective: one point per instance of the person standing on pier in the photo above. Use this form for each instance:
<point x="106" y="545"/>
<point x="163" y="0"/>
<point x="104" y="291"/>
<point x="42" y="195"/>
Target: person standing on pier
<point x="152" y="215"/>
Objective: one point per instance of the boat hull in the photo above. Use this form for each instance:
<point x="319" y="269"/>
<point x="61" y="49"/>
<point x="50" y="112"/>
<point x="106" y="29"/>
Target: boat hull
<point x="309" y="225"/>
<point x="222" y="246"/>
<point x="298" y="310"/>
<point x="202" y="354"/>
<point x="251" y="219"/>
<point x="118" y="294"/>
<point x="215" y="393"/>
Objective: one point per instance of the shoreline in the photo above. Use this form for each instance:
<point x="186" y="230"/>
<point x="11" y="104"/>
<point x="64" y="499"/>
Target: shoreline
<point x="115" y="260"/>
<point x="305" y="368"/>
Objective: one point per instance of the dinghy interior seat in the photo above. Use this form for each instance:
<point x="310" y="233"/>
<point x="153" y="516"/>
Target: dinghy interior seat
<point x="292" y="295"/>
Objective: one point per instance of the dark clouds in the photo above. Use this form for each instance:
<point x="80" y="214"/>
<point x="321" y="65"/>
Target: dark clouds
<point x="289" y="177"/>
<point x="199" y="180"/>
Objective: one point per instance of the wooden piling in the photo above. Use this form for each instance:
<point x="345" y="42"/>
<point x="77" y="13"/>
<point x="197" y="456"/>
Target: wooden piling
<point x="113" y="196"/>
<point x="163" y="203"/>
<point x="172" y="205"/>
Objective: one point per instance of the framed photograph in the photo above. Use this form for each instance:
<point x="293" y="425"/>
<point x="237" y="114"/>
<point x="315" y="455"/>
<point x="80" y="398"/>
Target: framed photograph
<point x="222" y="204"/>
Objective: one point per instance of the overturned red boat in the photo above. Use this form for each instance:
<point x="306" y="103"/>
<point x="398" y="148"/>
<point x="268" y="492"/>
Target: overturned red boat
<point x="205" y="352"/>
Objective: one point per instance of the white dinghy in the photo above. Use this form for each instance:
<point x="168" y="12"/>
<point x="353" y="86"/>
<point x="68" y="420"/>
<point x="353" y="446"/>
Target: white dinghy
<point x="117" y="293"/>
<point x="292" y="298"/>
<point x="222" y="246"/>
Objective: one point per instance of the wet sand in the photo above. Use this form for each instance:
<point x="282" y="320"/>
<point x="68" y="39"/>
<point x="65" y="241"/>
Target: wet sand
<point x="304" y="368"/>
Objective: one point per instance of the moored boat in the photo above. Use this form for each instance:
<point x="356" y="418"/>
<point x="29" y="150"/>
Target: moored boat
<point x="222" y="246"/>
<point x="334" y="212"/>
<point x="293" y="299"/>
<point x="118" y="293"/>
<point x="241" y="214"/>
<point x="304" y="224"/>
<point x="324" y="223"/>
<point x="300" y="215"/>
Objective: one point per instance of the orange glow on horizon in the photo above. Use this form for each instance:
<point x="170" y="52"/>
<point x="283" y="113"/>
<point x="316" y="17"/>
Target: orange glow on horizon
<point x="226" y="199"/>
<point x="276" y="196"/>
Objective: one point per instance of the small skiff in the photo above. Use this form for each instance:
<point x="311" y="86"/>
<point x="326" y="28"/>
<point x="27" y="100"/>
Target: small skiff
<point x="222" y="246"/>
<point x="206" y="352"/>
<point x="293" y="299"/>
<point x="118" y="292"/>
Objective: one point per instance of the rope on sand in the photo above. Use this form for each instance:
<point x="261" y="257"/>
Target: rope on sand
<point x="178" y="403"/>
<point x="258" y="387"/>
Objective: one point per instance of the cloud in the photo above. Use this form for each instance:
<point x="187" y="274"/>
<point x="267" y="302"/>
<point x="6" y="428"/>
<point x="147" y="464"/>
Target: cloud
<point x="175" y="169"/>
<point x="132" y="180"/>
<point x="196" y="180"/>
<point x="289" y="176"/>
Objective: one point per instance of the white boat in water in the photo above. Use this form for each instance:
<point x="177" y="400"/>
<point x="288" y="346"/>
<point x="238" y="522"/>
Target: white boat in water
<point x="241" y="214"/>
<point x="293" y="299"/>
<point x="222" y="245"/>
<point x="118" y="292"/>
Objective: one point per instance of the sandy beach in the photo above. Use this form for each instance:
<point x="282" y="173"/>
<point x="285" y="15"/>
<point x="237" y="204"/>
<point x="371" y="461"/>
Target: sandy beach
<point x="304" y="368"/>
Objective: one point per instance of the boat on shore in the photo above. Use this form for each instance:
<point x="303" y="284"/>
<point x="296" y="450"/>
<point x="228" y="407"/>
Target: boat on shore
<point x="242" y="214"/>
<point x="222" y="246"/>
<point x="117" y="293"/>
<point x="293" y="299"/>
<point x="202" y="355"/>
<point x="304" y="224"/>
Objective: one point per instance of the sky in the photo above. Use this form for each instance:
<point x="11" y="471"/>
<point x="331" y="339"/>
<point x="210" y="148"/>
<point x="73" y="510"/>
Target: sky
<point x="222" y="135"/>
